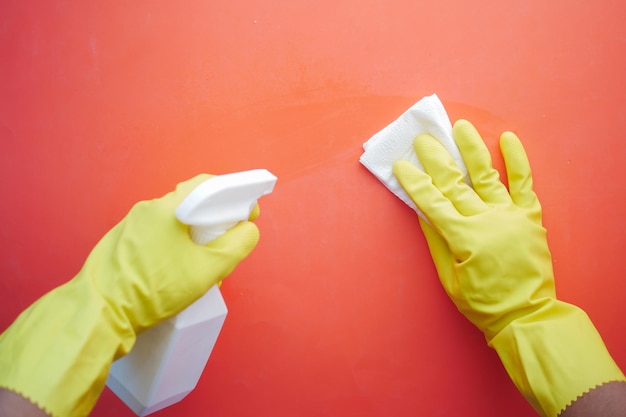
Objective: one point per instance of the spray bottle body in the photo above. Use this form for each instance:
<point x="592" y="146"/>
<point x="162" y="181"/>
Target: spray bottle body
<point x="167" y="361"/>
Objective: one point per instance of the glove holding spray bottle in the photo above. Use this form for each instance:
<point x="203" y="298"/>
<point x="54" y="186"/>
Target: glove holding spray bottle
<point x="167" y="360"/>
<point x="146" y="269"/>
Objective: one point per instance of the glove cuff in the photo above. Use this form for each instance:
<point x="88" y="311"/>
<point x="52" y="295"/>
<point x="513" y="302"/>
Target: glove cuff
<point x="554" y="356"/>
<point x="58" y="352"/>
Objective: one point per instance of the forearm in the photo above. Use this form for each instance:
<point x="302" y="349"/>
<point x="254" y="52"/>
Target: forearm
<point x="14" y="405"/>
<point x="608" y="400"/>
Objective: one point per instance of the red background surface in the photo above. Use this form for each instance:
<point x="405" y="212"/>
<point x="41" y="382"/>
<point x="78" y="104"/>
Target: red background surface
<point x="338" y="312"/>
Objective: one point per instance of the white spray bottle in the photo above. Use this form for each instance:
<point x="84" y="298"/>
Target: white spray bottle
<point x="167" y="361"/>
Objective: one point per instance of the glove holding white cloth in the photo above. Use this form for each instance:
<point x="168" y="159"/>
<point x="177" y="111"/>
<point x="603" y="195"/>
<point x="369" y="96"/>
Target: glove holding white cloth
<point x="492" y="257"/>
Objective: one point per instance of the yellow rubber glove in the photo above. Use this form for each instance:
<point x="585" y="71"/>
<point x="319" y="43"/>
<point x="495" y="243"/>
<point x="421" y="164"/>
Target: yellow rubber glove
<point x="492" y="257"/>
<point x="146" y="269"/>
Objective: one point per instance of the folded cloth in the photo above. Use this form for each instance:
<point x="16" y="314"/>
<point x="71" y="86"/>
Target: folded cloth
<point x="395" y="142"/>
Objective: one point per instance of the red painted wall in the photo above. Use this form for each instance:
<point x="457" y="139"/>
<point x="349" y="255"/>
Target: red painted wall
<point x="338" y="312"/>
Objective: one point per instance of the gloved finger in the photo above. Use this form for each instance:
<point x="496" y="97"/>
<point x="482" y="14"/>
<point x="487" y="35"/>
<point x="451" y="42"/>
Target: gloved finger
<point x="442" y="256"/>
<point x="519" y="173"/>
<point x="447" y="176"/>
<point x="418" y="185"/>
<point x="255" y="213"/>
<point x="485" y="178"/>
<point x="222" y="255"/>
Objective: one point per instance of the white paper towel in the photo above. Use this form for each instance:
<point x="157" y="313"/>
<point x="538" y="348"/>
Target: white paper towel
<point x="395" y="142"/>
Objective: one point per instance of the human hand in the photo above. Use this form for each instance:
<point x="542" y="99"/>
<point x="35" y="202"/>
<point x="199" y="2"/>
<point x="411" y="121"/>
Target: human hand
<point x="492" y="257"/>
<point x="487" y="243"/>
<point x="147" y="267"/>
<point x="58" y="352"/>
